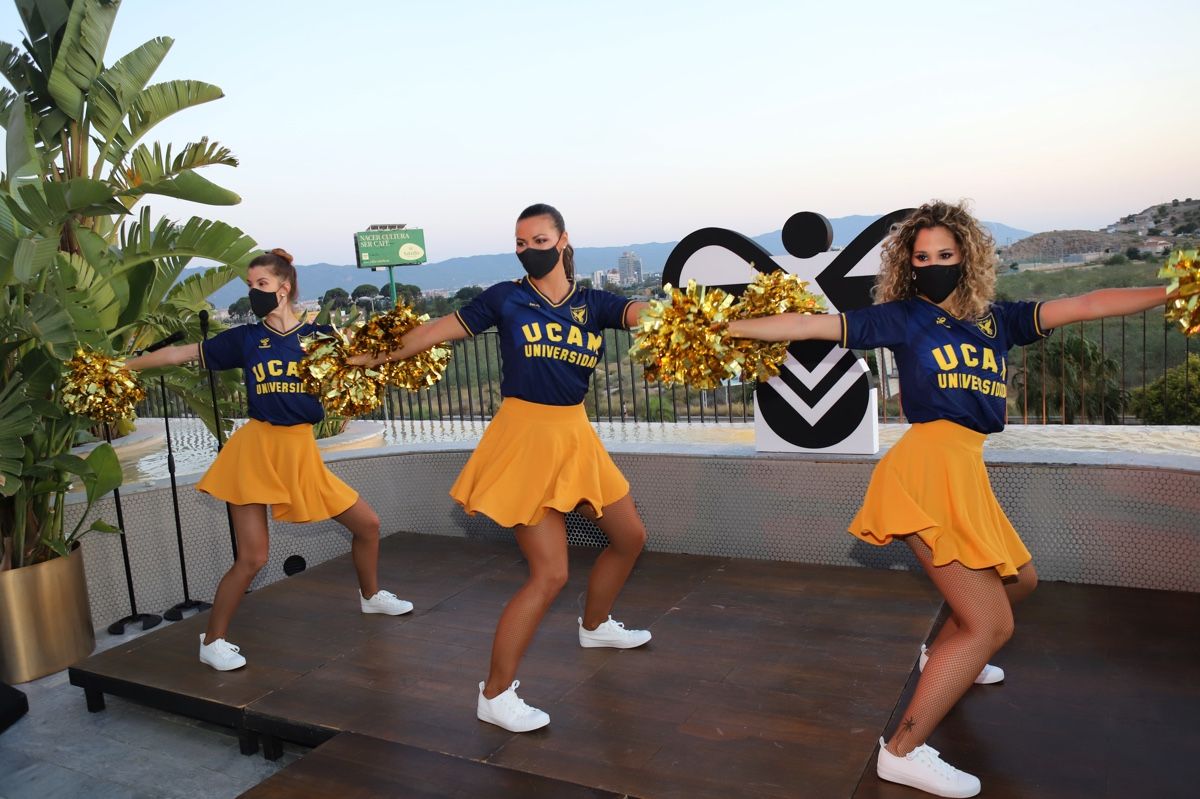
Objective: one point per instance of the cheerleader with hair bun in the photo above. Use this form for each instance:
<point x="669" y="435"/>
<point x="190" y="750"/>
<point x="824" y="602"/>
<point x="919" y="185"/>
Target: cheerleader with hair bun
<point x="540" y="456"/>
<point x="937" y="312"/>
<point x="273" y="459"/>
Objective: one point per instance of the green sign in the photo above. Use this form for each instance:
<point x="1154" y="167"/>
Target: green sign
<point x="403" y="247"/>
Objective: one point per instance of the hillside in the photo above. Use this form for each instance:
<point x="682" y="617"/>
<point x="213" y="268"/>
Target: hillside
<point x="1156" y="229"/>
<point x="1174" y="218"/>
<point x="1055" y="245"/>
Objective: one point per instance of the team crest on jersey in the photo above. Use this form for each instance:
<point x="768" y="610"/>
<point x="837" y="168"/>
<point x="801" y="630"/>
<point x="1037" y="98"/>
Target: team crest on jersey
<point x="988" y="325"/>
<point x="264" y="343"/>
<point x="579" y="314"/>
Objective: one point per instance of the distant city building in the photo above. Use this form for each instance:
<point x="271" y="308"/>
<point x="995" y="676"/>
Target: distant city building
<point x="630" y="268"/>
<point x="599" y="277"/>
<point x="613" y="277"/>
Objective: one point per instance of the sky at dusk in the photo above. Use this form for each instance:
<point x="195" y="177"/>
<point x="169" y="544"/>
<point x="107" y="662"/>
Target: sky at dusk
<point x="644" y="121"/>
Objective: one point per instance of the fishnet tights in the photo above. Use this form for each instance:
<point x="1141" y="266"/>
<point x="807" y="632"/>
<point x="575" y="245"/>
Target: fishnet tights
<point x="981" y="622"/>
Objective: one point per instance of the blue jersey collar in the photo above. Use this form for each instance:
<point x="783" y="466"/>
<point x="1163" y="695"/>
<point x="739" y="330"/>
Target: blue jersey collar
<point x="570" y="293"/>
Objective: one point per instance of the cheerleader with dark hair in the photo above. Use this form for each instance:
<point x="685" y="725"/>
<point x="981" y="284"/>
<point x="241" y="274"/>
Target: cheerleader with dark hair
<point x="273" y="459"/>
<point x="540" y="457"/>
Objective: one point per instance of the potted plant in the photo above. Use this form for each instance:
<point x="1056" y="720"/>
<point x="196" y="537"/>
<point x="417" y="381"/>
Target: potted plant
<point x="79" y="269"/>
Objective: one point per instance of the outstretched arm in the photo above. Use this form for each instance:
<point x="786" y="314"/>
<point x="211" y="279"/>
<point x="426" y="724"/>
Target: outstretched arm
<point x="1100" y="304"/>
<point x="632" y="312"/>
<point x="167" y="356"/>
<point x="416" y="341"/>
<point x="789" y="327"/>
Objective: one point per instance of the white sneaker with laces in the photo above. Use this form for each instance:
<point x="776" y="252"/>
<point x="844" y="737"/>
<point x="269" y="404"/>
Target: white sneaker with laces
<point x="923" y="769"/>
<point x="384" y="602"/>
<point x="990" y="674"/>
<point x="221" y="655"/>
<point x="613" y="634"/>
<point x="509" y="711"/>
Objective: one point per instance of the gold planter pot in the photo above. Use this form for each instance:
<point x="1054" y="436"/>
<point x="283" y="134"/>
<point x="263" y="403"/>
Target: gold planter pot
<point x="45" y="618"/>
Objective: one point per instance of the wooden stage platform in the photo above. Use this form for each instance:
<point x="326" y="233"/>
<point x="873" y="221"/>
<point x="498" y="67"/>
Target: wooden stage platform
<point x="763" y="679"/>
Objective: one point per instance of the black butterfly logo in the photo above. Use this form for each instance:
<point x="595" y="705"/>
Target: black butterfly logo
<point x="823" y="401"/>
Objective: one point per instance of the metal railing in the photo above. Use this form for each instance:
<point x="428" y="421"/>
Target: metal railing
<point x="1086" y="374"/>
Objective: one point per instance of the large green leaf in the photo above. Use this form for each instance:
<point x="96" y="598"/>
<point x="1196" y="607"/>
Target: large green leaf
<point x="157" y="102"/>
<point x="16" y="421"/>
<point x="7" y="98"/>
<point x="106" y="472"/>
<point x="21" y="156"/>
<point x="42" y="205"/>
<point x="116" y="88"/>
<point x="95" y="249"/>
<point x="200" y="153"/>
<point x="40" y="370"/>
<point x="194" y="290"/>
<point x="13" y="64"/>
<point x="80" y="56"/>
<point x="50" y="324"/>
<point x="43" y="18"/>
<point x="188" y="186"/>
<point x="154" y="166"/>
<point x="198" y="238"/>
<point x="139" y="298"/>
<point x="33" y="255"/>
<point x="44" y="23"/>
<point x="92" y="297"/>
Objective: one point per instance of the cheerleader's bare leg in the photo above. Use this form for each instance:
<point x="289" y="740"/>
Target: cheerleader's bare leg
<point x="363" y="524"/>
<point x="544" y="546"/>
<point x="253" y="547"/>
<point x="626" y="537"/>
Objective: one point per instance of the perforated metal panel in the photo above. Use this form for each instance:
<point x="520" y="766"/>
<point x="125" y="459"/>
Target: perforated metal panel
<point x="1103" y="523"/>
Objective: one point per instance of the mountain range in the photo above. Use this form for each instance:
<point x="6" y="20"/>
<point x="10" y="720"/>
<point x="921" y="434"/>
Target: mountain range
<point x="484" y="270"/>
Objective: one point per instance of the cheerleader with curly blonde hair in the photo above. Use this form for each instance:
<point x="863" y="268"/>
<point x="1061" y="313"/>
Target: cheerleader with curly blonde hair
<point x="936" y="311"/>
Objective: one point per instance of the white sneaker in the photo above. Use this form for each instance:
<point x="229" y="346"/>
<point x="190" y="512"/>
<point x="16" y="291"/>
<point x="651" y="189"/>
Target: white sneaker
<point x="384" y="602"/>
<point x="612" y="633"/>
<point x="509" y="711"/>
<point x="221" y="655"/>
<point x="923" y="769"/>
<point x="990" y="674"/>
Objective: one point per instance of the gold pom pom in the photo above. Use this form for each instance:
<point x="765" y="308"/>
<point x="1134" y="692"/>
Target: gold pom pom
<point x="1183" y="271"/>
<point x="770" y="294"/>
<point x="385" y="333"/>
<point x="684" y="341"/>
<point x="100" y="387"/>
<point x="343" y="390"/>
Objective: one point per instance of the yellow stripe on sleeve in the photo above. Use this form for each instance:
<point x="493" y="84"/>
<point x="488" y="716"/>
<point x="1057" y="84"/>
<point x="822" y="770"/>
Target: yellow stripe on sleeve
<point x="462" y="322"/>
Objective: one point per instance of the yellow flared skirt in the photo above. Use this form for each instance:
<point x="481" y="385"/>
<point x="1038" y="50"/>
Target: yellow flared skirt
<point x="933" y="483"/>
<point x="533" y="458"/>
<point x="280" y="466"/>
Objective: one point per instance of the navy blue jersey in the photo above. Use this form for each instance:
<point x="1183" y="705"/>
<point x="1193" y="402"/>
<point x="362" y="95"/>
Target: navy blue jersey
<point x="270" y="362"/>
<point x="949" y="368"/>
<point x="547" y="350"/>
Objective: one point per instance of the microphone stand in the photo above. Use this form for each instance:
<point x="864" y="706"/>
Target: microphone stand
<point x="175" y="612"/>
<point x="148" y="620"/>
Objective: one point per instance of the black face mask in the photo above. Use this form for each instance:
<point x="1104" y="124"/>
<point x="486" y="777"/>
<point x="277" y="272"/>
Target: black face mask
<point x="263" y="302"/>
<point x="937" y="282"/>
<point x="538" y="263"/>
